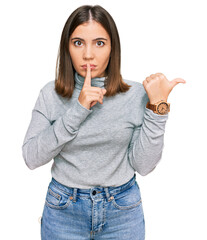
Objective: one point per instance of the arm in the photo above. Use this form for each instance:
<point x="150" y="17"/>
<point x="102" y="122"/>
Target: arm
<point x="147" y="143"/>
<point x="44" y="140"/>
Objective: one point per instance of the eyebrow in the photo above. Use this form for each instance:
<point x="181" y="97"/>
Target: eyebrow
<point x="100" y="38"/>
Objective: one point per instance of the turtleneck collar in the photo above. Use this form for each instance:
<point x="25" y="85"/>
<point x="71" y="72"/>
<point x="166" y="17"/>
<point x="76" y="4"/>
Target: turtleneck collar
<point x="95" y="82"/>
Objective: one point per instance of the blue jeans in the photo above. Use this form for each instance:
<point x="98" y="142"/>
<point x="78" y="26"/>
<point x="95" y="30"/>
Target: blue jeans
<point x="96" y="213"/>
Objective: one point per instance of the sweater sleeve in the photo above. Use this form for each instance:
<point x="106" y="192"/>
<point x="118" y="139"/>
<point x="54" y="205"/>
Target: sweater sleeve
<point x="44" y="140"/>
<point x="147" y="142"/>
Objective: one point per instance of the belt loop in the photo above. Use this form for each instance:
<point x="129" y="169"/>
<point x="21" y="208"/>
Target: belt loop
<point x="74" y="194"/>
<point x="109" y="198"/>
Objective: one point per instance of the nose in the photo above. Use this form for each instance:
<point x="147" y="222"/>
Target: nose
<point x="88" y="53"/>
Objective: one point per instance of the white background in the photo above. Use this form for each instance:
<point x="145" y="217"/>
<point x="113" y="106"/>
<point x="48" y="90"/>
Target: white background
<point x="156" y="36"/>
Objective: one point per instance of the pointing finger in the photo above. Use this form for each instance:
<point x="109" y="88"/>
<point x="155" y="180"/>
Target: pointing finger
<point x="87" y="80"/>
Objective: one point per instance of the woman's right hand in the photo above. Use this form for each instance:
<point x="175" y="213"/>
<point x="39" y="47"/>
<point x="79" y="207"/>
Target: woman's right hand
<point x="89" y="95"/>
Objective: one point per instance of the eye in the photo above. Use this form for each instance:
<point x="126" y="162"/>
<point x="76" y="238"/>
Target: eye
<point x="100" y="42"/>
<point x="76" y="42"/>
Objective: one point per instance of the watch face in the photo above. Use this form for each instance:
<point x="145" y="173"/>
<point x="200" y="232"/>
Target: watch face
<point x="162" y="108"/>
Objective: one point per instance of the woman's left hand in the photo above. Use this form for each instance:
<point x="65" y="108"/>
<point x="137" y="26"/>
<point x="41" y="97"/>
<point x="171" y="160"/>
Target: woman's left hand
<point x="158" y="87"/>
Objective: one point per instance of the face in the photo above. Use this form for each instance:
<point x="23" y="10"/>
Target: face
<point x="90" y="43"/>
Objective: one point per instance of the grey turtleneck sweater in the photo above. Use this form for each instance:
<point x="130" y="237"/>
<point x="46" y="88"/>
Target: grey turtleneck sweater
<point x="102" y="146"/>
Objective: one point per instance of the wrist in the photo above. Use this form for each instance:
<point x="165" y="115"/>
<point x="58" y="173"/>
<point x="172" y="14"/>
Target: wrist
<point x="155" y="101"/>
<point x="161" y="107"/>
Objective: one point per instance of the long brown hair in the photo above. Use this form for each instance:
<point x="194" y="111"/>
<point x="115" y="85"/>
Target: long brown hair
<point x="65" y="72"/>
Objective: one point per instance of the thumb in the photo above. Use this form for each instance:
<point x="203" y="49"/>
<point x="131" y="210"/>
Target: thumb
<point x="175" y="81"/>
<point x="103" y="91"/>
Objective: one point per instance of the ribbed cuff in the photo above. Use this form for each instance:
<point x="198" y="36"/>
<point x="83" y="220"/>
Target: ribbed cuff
<point x="75" y="116"/>
<point x="155" y="116"/>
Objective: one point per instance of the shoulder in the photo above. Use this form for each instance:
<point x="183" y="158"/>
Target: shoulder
<point x="48" y="87"/>
<point x="137" y="89"/>
<point x="48" y="90"/>
<point x="134" y="85"/>
<point x="50" y="95"/>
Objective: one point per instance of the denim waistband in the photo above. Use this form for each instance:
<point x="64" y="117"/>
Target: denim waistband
<point x="98" y="190"/>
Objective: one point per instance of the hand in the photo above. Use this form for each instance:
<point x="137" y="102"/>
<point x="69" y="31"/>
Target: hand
<point x="158" y="87"/>
<point x="89" y="95"/>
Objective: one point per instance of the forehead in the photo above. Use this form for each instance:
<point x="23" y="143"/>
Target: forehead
<point x="91" y="29"/>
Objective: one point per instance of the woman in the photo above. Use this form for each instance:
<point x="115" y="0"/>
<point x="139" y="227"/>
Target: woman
<point x="97" y="128"/>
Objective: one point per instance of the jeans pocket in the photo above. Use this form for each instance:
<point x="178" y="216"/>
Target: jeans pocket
<point x="56" y="198"/>
<point x="128" y="199"/>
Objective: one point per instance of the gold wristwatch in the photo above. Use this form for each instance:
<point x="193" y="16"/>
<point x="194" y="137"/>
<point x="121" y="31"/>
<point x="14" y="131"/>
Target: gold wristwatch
<point x="161" y="107"/>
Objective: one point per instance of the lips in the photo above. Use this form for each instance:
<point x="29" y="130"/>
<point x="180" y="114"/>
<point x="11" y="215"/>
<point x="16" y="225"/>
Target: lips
<point x="91" y="65"/>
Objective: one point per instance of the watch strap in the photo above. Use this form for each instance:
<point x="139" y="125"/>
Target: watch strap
<point x="151" y="106"/>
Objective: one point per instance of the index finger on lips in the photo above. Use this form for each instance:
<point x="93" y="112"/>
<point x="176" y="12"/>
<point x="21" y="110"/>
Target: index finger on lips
<point x="87" y="80"/>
